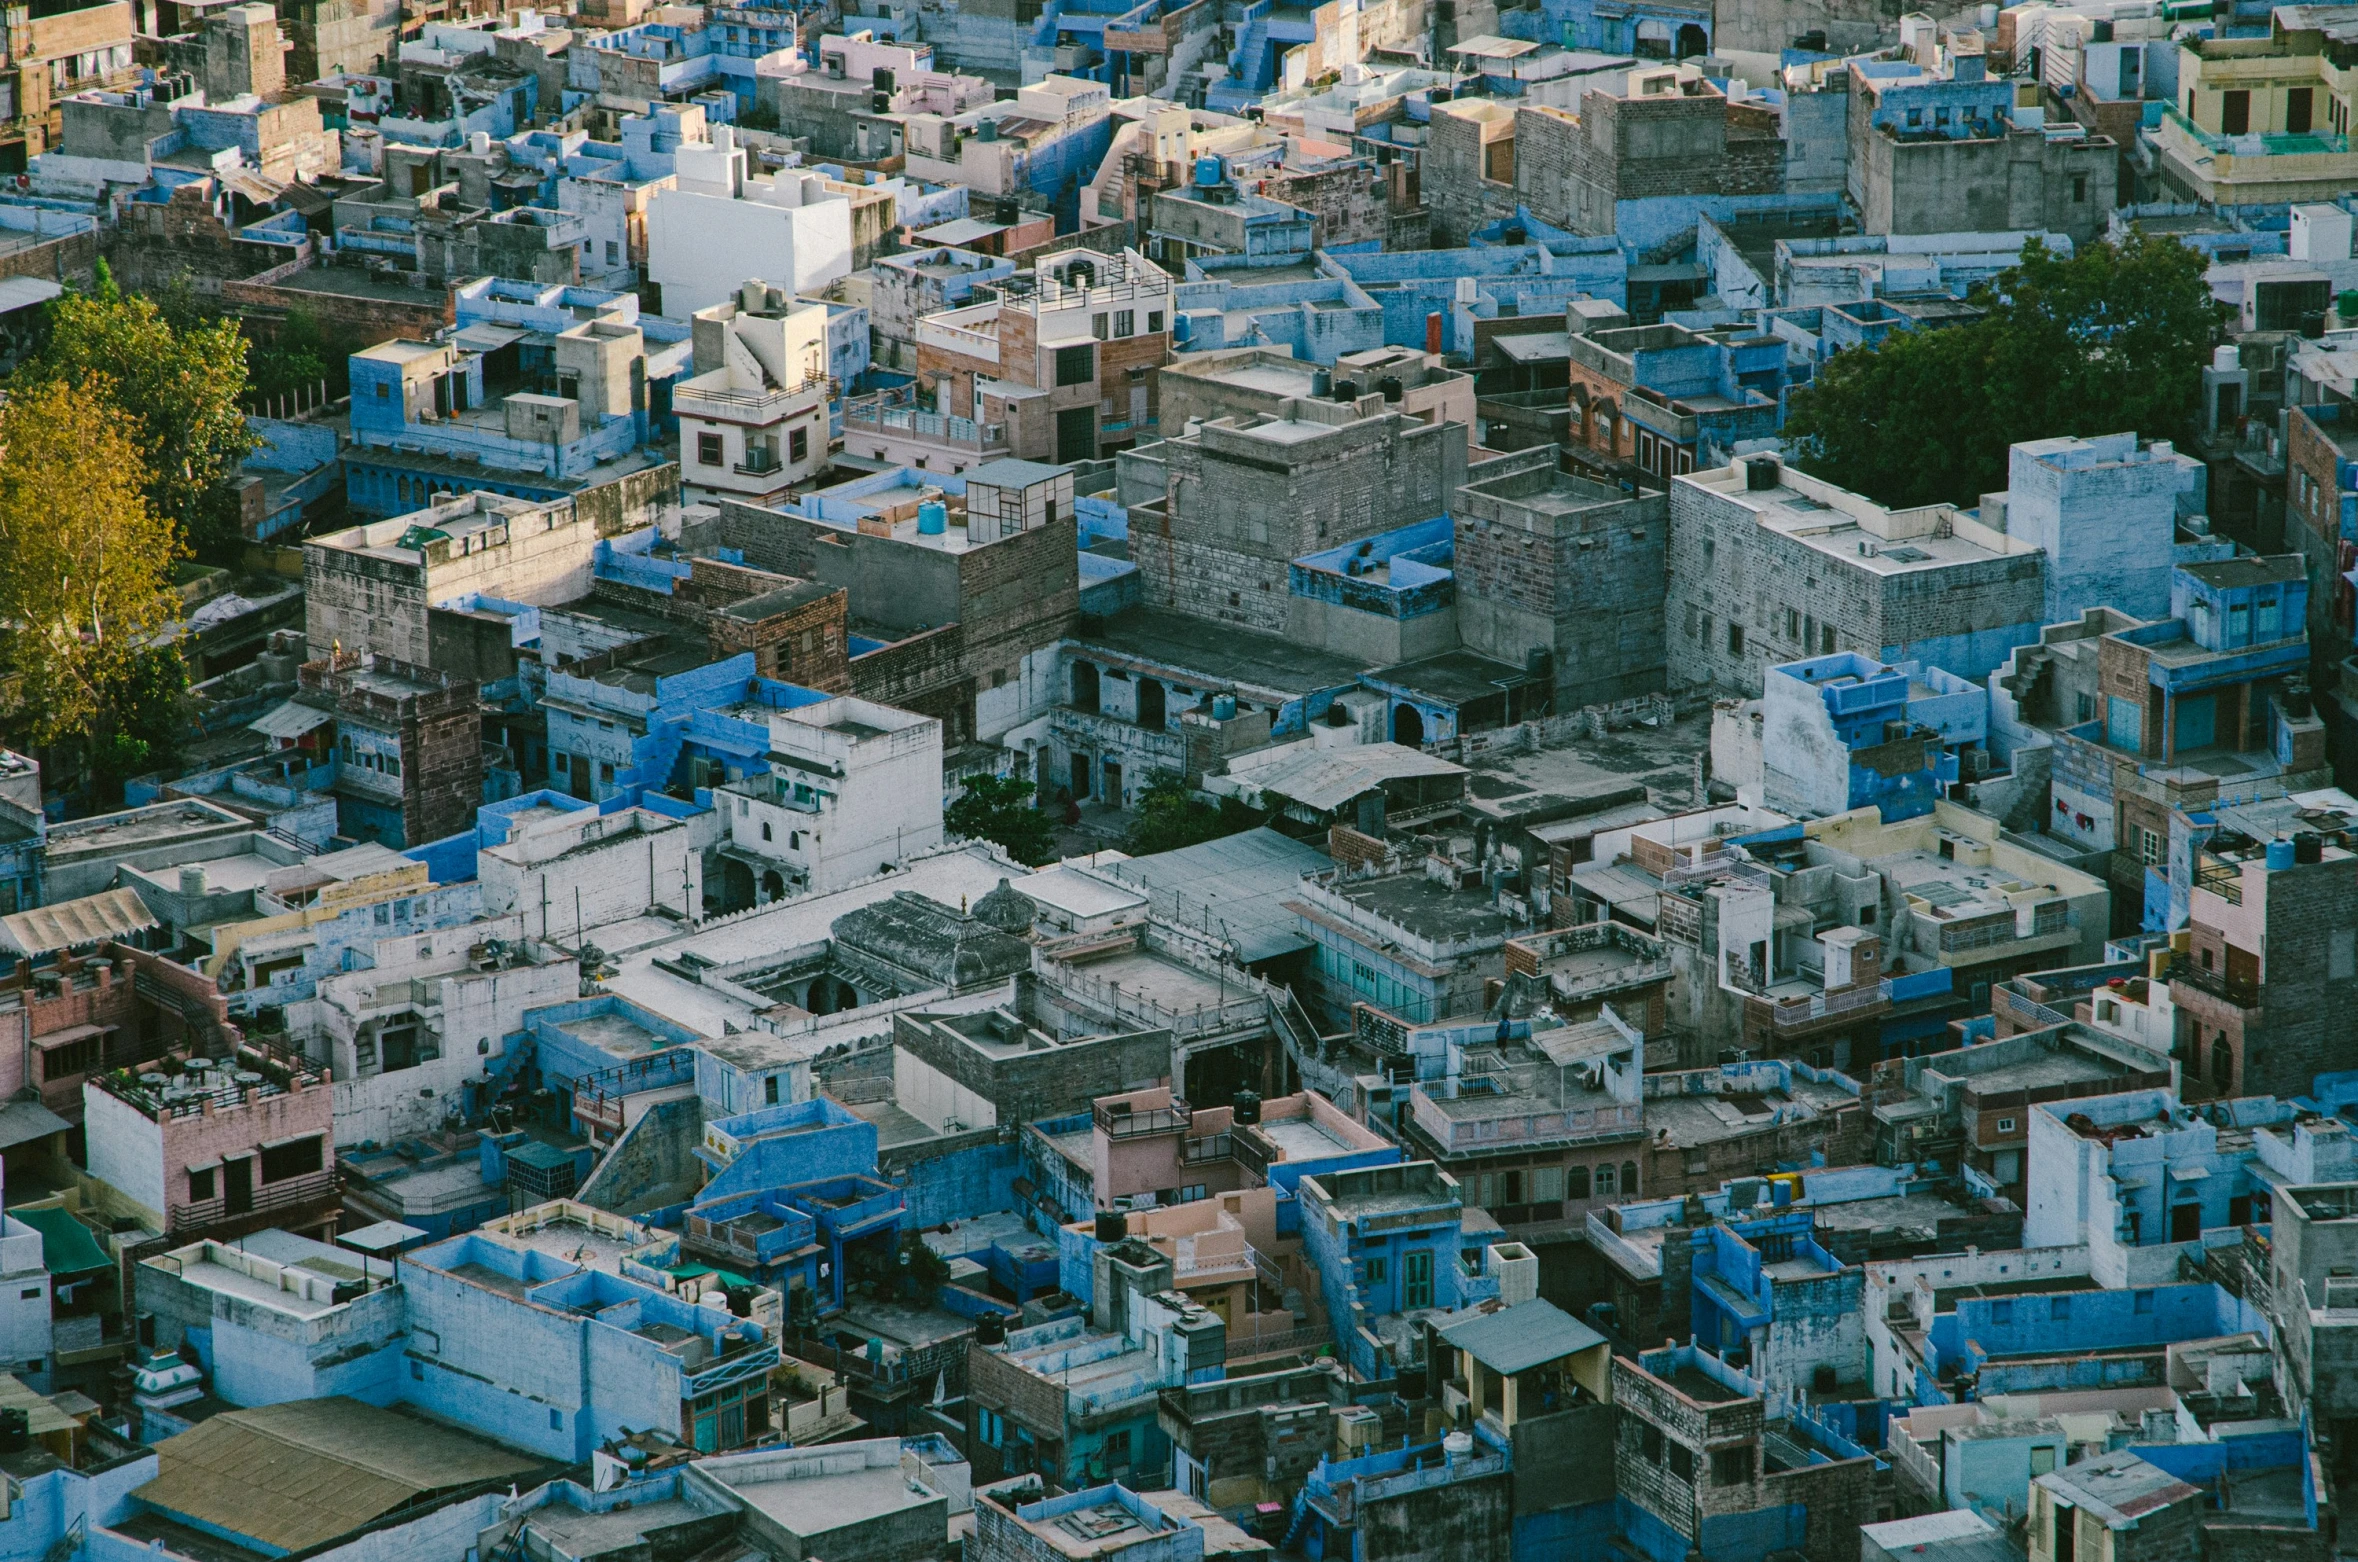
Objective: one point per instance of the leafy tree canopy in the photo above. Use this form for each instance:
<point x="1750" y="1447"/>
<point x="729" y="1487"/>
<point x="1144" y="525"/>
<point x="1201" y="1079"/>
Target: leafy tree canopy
<point x="999" y="808"/>
<point x="2111" y="339"/>
<point x="179" y="385"/>
<point x="85" y="566"/>
<point x="1169" y="817"/>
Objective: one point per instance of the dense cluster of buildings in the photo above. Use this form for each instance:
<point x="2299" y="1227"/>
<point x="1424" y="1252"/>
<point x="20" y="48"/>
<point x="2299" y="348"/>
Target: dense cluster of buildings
<point x="1704" y="1016"/>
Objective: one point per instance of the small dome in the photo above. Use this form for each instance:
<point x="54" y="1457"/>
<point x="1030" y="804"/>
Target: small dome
<point x="1006" y="907"/>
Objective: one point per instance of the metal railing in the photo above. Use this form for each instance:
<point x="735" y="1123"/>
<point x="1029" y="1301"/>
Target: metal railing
<point x="1116" y="1123"/>
<point x="2242" y="994"/>
<point x="292" y="1193"/>
<point x="1849" y="1001"/>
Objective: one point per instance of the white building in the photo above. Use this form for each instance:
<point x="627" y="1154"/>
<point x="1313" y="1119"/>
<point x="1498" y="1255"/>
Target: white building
<point x="24" y="1299"/>
<point x="753" y="418"/>
<point x="407" y="1035"/>
<point x="853" y="787"/>
<point x="582" y="869"/>
<point x="720" y="226"/>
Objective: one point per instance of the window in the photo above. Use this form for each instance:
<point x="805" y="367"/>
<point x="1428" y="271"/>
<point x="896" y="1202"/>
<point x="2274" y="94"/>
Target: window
<point x="2079" y="187"/>
<point x="1650" y="1443"/>
<point x="1117" y="1448"/>
<point x="1547" y="1185"/>
<point x="769" y="1090"/>
<point x="1125" y="322"/>
<point x="1731" y="1466"/>
<point x="1825" y="639"/>
<point x="200" y="1185"/>
<point x="2005" y="1125"/>
<point x="384" y="391"/>
<point x="2235" y="113"/>
<point x="1076" y="365"/>
<point x="1376" y="1271"/>
<point x="1097" y="327"/>
<point x="1576" y="1182"/>
<point x="73" y="1057"/>
<point x="2298" y="108"/>
<point x="605" y="770"/>
<point x="2002" y="1311"/>
<point x="1154" y="321"/>
<point x="1605" y="1188"/>
<point x="708" y="450"/>
<point x="798" y="444"/>
<point x="299" y="1159"/>
<point x="1793" y="623"/>
<point x="2141" y="1302"/>
<point x="1416" y="1280"/>
<point x="1735" y="639"/>
<point x="1682" y="1462"/>
<point x="2059" y="1309"/>
<point x="31" y="1293"/>
<point x="765" y="829"/>
<point x="613" y="252"/>
<point x="556" y="1420"/>
<point x="989" y="1427"/>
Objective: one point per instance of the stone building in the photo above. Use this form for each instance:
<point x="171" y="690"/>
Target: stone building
<point x="408" y="746"/>
<point x="1768" y="564"/>
<point x="1246" y="497"/>
<point x="970" y="615"/>
<point x="370" y="588"/>
<point x="1548" y="561"/>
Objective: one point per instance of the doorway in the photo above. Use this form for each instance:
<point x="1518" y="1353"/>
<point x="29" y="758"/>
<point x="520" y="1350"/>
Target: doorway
<point x="237" y="1185"/>
<point x="1408" y="726"/>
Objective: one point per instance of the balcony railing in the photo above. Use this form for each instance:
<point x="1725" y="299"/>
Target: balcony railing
<point x="1790" y="1015"/>
<point x="2242" y="994"/>
<point x="1204" y="1151"/>
<point x="1116" y="1121"/>
<point x="290" y="1195"/>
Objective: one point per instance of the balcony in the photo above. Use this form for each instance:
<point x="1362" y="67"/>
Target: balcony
<point x="2243" y="994"/>
<point x="1099" y="729"/>
<point x="289" y="1202"/>
<point x="895" y="414"/>
<point x="1117" y="1120"/>
<point x="1239" y="1263"/>
<point x="767" y="405"/>
<point x="598" y="1099"/>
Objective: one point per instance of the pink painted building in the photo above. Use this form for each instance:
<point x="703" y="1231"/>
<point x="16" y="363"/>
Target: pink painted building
<point x="201" y="1146"/>
<point x="1151" y="1144"/>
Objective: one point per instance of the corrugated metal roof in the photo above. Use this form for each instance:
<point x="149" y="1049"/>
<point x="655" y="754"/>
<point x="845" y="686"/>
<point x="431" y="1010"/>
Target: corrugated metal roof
<point x="114" y="913"/>
<point x="293" y="1475"/>
<point x="289" y="720"/>
<point x="1518" y="1338"/>
<point x="1326" y="778"/>
<point x="21" y="1122"/>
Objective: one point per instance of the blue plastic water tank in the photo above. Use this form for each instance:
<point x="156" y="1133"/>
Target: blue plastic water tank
<point x="1208" y="172"/>
<point x="2280" y="855"/>
<point x="933" y="518"/>
<point x="1224" y="709"/>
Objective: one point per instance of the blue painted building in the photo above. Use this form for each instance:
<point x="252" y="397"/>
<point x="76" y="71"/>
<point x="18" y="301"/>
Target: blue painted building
<point x="1847" y="731"/>
<point x="1385" y="1241"/>
<point x="556" y="1359"/>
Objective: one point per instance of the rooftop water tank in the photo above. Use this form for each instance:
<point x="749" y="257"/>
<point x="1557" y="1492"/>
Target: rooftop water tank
<point x="2280" y="855"/>
<point x="1223" y="707"/>
<point x="933" y="518"/>
<point x="2227" y="359"/>
<point x="1209" y="172"/>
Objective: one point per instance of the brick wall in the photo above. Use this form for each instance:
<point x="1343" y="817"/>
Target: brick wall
<point x="1351" y="850"/>
<point x="1241" y="509"/>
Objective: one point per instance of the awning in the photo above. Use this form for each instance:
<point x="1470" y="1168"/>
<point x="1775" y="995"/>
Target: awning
<point x="23" y="1122"/>
<point x="67" y="1247"/>
<point x="70" y="924"/>
<point x="290" y="720"/>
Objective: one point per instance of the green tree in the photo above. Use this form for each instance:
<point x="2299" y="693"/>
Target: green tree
<point x="1170" y="816"/>
<point x="999" y="808"/>
<point x="84" y="569"/>
<point x="2108" y="340"/>
<point x="294" y="361"/>
<point x="181" y="387"/>
<point x="138" y="723"/>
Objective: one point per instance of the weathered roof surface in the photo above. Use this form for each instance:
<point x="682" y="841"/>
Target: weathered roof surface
<point x="923" y="936"/>
<point x="293" y="1475"/>
<point x="21" y="1122"/>
<point x="114" y="913"/>
<point x="1007" y="908"/>
<point x="1323" y="779"/>
<point x="2118" y="1488"/>
<point x="1242" y="880"/>
<point x="289" y="720"/>
<point x="1518" y="1338"/>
